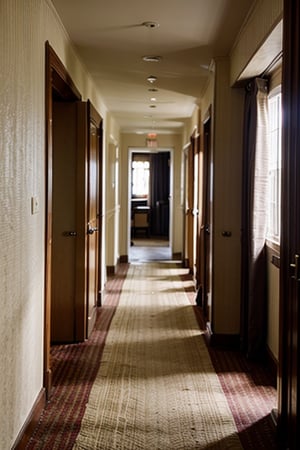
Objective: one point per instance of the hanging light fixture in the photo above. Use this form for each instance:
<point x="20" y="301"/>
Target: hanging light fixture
<point x="150" y="58"/>
<point x="152" y="79"/>
<point x="150" y="24"/>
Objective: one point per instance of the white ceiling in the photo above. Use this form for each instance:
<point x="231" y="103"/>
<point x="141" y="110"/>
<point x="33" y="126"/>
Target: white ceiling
<point x="111" y="41"/>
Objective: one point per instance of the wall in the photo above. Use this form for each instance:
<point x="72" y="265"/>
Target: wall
<point x="112" y="206"/>
<point x="168" y="142"/>
<point x="191" y="126"/>
<point x="25" y="25"/>
<point x="227" y="164"/>
<point x="258" y="27"/>
<point x="225" y="105"/>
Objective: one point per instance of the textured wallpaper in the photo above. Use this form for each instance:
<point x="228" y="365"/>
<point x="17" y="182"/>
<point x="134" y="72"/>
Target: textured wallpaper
<point x="25" y="25"/>
<point x="21" y="233"/>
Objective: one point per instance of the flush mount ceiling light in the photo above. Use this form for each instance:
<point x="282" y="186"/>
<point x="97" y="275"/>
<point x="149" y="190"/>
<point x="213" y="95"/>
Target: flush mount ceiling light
<point x="150" y="58"/>
<point x="150" y="24"/>
<point x="153" y="99"/>
<point x="151" y="79"/>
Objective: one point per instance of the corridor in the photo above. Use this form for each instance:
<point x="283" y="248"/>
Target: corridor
<point x="154" y="384"/>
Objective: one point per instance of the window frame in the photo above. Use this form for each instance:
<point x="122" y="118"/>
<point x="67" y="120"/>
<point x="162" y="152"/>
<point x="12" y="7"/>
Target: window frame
<point x="145" y="195"/>
<point x="273" y="234"/>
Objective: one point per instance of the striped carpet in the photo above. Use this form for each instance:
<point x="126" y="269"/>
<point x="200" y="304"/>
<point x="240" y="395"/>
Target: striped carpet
<point x="156" y="387"/>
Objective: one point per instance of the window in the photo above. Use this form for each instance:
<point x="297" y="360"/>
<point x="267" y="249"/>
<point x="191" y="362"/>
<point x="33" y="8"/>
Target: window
<point x="140" y="178"/>
<point x="274" y="166"/>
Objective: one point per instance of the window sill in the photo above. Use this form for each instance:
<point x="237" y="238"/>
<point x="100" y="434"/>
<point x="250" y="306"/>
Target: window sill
<point x="273" y="249"/>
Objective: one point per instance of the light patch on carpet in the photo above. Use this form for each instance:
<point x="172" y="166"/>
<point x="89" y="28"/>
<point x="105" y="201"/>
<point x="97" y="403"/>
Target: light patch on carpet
<point x="156" y="387"/>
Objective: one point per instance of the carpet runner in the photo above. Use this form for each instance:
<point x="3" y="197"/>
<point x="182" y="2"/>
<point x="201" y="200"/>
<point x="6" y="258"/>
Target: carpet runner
<point x="156" y="387"/>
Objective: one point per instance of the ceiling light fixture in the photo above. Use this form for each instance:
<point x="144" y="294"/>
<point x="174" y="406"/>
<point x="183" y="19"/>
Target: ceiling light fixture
<point x="152" y="79"/>
<point x="153" y="90"/>
<point x="150" y="24"/>
<point x="152" y="106"/>
<point x="153" y="99"/>
<point x="149" y="58"/>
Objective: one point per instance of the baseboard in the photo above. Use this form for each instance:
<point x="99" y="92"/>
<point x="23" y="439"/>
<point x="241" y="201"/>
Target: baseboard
<point x="232" y="342"/>
<point x="124" y="259"/>
<point x="31" y="422"/>
<point x="272" y="364"/>
<point x="222" y="340"/>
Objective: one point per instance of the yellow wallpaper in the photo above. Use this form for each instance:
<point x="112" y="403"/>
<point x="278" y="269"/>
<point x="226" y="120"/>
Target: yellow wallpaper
<point x="25" y="25"/>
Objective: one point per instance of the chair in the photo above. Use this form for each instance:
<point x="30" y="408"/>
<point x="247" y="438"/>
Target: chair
<point x="141" y="220"/>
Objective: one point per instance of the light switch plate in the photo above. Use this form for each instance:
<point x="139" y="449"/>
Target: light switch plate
<point x="35" y="205"/>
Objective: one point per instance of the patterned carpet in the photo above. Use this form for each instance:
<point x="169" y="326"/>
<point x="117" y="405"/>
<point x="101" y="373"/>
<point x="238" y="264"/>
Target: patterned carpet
<point x="248" y="388"/>
<point x="156" y="387"/>
<point x="74" y="370"/>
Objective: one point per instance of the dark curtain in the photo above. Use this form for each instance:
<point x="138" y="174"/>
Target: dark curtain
<point x="254" y="220"/>
<point x="160" y="187"/>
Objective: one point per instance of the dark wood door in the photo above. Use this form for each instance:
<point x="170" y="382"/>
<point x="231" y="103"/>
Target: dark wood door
<point x="289" y="380"/>
<point x="190" y="207"/>
<point x="93" y="218"/>
<point x="196" y="208"/>
<point x="64" y="224"/>
<point x="205" y="229"/>
<point x="189" y="219"/>
<point x="75" y="255"/>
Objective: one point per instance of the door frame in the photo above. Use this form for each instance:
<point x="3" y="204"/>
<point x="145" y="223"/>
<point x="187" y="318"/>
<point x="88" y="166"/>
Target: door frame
<point x="132" y="150"/>
<point x="205" y="238"/>
<point x="191" y="213"/>
<point x="58" y="81"/>
<point x="289" y="314"/>
<point x="93" y="117"/>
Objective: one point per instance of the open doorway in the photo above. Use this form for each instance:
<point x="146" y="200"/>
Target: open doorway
<point x="150" y="204"/>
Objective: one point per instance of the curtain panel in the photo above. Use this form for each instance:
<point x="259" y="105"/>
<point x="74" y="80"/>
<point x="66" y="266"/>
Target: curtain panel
<point x="160" y="190"/>
<point x="254" y="219"/>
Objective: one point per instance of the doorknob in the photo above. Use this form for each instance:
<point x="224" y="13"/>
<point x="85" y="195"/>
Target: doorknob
<point x="92" y="230"/>
<point x="295" y="266"/>
<point x="69" y="233"/>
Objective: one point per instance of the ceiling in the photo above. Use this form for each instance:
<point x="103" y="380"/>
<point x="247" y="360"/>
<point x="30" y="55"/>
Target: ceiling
<point x="111" y="40"/>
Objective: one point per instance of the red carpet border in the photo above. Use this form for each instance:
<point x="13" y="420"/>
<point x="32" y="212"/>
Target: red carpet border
<point x="74" y="368"/>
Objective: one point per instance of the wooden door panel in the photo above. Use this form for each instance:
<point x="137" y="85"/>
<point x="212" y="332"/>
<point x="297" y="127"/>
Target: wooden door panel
<point x="289" y="379"/>
<point x="189" y="208"/>
<point x="204" y="235"/>
<point x="93" y="226"/>
<point x="63" y="222"/>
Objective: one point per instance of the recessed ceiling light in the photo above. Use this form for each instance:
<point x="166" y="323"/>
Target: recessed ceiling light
<point x="150" y="24"/>
<point x="148" y="58"/>
<point x="151" y="79"/>
<point x="153" y="99"/>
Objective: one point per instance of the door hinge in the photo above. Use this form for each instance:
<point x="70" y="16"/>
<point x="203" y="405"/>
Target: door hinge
<point x="295" y="266"/>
